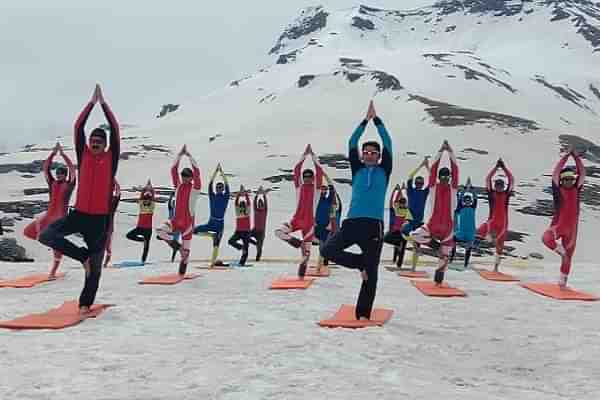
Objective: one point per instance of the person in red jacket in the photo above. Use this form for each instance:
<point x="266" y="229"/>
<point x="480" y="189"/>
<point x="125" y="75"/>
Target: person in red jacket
<point x="304" y="218"/>
<point x="187" y="192"/>
<point x="143" y="230"/>
<point x="439" y="230"/>
<point x="60" y="190"/>
<point x="242" y="224"/>
<point x="91" y="216"/>
<point x="257" y="234"/>
<point x="498" y="197"/>
<point x="567" y="184"/>
<point x="116" y="198"/>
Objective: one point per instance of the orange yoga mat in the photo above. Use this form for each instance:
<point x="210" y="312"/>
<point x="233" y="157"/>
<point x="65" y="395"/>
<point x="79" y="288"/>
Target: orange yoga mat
<point x="168" y="279"/>
<point x="429" y="288"/>
<point x="57" y="318"/>
<point x="497" y="276"/>
<point x="29" y="281"/>
<point x="413" y="274"/>
<point x="292" y="283"/>
<point x="554" y="291"/>
<point x="312" y="271"/>
<point x="345" y="318"/>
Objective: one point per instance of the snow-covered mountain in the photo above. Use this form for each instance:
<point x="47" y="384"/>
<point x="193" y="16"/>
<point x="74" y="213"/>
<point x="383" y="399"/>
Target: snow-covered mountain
<point x="516" y="79"/>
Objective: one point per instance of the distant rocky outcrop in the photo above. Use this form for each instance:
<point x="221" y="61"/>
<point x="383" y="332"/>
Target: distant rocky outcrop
<point x="166" y="109"/>
<point x="312" y="19"/>
<point x="12" y="252"/>
<point x="34" y="167"/>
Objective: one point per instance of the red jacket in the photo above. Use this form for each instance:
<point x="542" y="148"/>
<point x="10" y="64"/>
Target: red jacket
<point x="260" y="214"/>
<point x="96" y="173"/>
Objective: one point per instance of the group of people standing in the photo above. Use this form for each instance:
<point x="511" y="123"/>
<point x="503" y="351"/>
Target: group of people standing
<point x="437" y="214"/>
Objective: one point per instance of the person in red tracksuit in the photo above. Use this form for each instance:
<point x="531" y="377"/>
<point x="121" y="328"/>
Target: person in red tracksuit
<point x="242" y="224"/>
<point x="114" y="204"/>
<point x="91" y="216"/>
<point x="439" y="230"/>
<point x="187" y="192"/>
<point x="143" y="230"/>
<point x="260" y="208"/>
<point x="498" y="196"/>
<point x="304" y="218"/>
<point x="567" y="184"/>
<point x="60" y="190"/>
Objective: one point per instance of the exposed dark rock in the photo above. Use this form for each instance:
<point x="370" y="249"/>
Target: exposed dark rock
<point x="351" y="62"/>
<point x="352" y="76"/>
<point x="35" y="191"/>
<point x="442" y="57"/>
<point x="385" y="81"/>
<point x="166" y="109"/>
<point x="541" y="208"/>
<point x="474" y="74"/>
<point x="25" y="208"/>
<point x="27" y="176"/>
<point x="34" y="167"/>
<point x="154" y="147"/>
<point x="311" y="20"/>
<point x="495" y="7"/>
<point x="451" y="28"/>
<point x="476" y="151"/>
<point x="338" y="161"/>
<point x="268" y="98"/>
<point x="345" y="181"/>
<point x="588" y="150"/>
<point x="279" y="178"/>
<point x="287" y="58"/>
<point x="305" y="80"/>
<point x="126" y="154"/>
<point x="567" y="94"/>
<point x="10" y="251"/>
<point x="559" y="14"/>
<point x="536" y="256"/>
<point x="363" y="24"/>
<point x="445" y="114"/>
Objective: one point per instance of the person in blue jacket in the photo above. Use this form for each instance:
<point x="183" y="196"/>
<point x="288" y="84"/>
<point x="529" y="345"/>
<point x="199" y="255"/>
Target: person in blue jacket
<point x="218" y="202"/>
<point x="417" y="193"/>
<point x="363" y="225"/>
<point x="327" y="216"/>
<point x="464" y="221"/>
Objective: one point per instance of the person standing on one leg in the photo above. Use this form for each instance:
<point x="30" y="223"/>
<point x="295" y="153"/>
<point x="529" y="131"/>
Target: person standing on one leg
<point x="60" y="190"/>
<point x="402" y="219"/>
<point x="304" y="216"/>
<point x="218" y="201"/>
<point x="242" y="224"/>
<point x="567" y="184"/>
<point x="114" y="204"/>
<point x="323" y="216"/>
<point x="257" y="234"/>
<point x="464" y="221"/>
<point x="498" y="197"/>
<point x="363" y="225"/>
<point x="97" y="169"/>
<point x="417" y="194"/>
<point x="143" y="231"/>
<point x="187" y="193"/>
<point x="439" y="230"/>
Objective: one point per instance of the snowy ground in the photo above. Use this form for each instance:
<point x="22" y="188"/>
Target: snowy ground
<point x="226" y="336"/>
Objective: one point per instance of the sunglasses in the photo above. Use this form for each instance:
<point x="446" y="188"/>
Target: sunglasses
<point x="370" y="153"/>
<point x="96" y="141"/>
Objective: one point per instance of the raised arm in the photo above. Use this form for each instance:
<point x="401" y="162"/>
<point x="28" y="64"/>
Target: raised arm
<point x="453" y="168"/>
<point x="298" y="171"/>
<point x="509" y="176"/>
<point x="175" y="171"/>
<point x="195" y="173"/>
<point x="115" y="137"/>
<point x="70" y="167"/>
<point x="79" y="130"/>
<point x="47" y="166"/>
<point x="386" y="153"/>
<point x="433" y="171"/>
<point x="489" y="177"/>
<point x="355" y="163"/>
<point x="580" y="170"/>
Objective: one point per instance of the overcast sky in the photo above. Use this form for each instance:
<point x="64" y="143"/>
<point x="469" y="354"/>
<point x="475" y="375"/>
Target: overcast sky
<point x="144" y="53"/>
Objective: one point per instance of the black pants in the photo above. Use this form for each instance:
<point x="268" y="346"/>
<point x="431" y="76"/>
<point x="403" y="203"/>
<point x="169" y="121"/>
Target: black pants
<point x="244" y="236"/>
<point x="141" y="235"/>
<point x="257" y="238"/>
<point x="468" y="248"/>
<point x="93" y="228"/>
<point x="366" y="233"/>
<point x="396" y="239"/>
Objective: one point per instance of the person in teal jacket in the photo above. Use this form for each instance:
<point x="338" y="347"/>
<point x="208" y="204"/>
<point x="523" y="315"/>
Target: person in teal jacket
<point x="363" y="225"/>
<point x="464" y="221"/>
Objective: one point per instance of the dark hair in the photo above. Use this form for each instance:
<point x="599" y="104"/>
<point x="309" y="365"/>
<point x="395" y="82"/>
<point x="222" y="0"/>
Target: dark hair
<point x="99" y="132"/>
<point x="308" y="172"/>
<point x="220" y="184"/>
<point x="371" y="143"/>
<point x="187" y="172"/>
<point x="444" y="172"/>
<point x="420" y="179"/>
